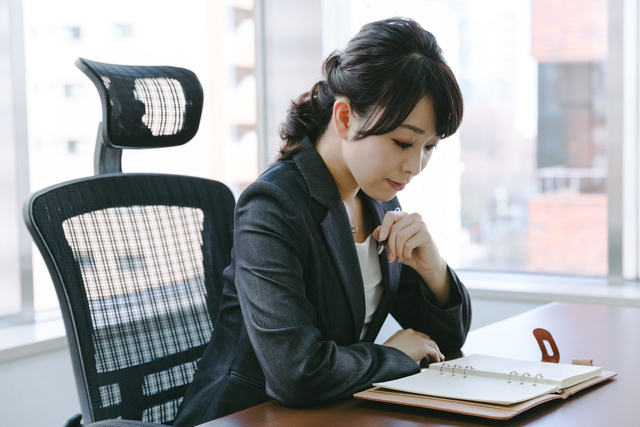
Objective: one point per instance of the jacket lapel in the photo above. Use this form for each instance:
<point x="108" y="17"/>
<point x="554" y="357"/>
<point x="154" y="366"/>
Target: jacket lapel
<point x="390" y="273"/>
<point x="335" y="227"/>
<point x="337" y="232"/>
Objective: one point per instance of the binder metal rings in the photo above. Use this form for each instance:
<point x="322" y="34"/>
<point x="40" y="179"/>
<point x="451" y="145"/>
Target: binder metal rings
<point x="465" y="370"/>
<point x="535" y="379"/>
<point x="442" y="366"/>
<point x="454" y="368"/>
<point x="522" y="378"/>
<point x="511" y="373"/>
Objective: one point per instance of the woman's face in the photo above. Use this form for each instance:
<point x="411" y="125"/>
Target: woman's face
<point x="382" y="165"/>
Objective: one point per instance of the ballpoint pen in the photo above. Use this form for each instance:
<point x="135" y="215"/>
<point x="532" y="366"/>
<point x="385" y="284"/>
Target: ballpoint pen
<point x="383" y="244"/>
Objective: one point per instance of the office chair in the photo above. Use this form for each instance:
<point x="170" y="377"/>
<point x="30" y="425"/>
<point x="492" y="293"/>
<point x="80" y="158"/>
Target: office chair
<point x="136" y="258"/>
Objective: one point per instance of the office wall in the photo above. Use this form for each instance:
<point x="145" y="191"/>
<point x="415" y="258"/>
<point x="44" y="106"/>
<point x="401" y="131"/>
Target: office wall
<point x="39" y="391"/>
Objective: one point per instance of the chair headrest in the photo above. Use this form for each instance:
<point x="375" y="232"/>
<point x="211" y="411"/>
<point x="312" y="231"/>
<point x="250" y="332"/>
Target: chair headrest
<point x="146" y="106"/>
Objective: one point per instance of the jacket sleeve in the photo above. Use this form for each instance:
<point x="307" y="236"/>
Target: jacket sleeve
<point x="416" y="307"/>
<point x="271" y="247"/>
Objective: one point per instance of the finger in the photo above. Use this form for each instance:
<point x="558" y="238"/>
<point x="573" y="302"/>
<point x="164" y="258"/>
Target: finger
<point x="399" y="224"/>
<point x="436" y="356"/>
<point x="427" y="340"/>
<point x="421" y="239"/>
<point x="376" y="233"/>
<point x="409" y="227"/>
<point x="400" y="231"/>
<point x="433" y="344"/>
<point x="434" y="352"/>
<point x="407" y="240"/>
<point x="422" y="335"/>
<point x="389" y="219"/>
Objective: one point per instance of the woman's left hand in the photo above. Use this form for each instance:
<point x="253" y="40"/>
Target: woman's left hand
<point x="409" y="242"/>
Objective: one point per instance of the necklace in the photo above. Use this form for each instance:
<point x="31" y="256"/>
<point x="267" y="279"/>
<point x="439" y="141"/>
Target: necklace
<point x="354" y="229"/>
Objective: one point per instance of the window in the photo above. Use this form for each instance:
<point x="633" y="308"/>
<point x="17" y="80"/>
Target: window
<point x="522" y="185"/>
<point x="124" y="30"/>
<point x="73" y="90"/>
<point x="73" y="33"/>
<point x="131" y="263"/>
<point x="541" y="178"/>
<point x="63" y="109"/>
<point x="86" y="260"/>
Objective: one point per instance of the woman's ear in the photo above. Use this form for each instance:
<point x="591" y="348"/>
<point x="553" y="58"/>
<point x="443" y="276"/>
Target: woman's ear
<point x="342" y="118"/>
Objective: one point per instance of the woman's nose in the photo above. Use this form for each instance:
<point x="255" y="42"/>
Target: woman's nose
<point x="415" y="164"/>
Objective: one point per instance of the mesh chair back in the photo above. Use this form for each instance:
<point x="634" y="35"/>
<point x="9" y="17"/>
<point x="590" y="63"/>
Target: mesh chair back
<point x="146" y="107"/>
<point x="136" y="260"/>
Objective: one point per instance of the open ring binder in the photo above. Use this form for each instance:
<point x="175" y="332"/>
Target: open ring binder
<point x="485" y="379"/>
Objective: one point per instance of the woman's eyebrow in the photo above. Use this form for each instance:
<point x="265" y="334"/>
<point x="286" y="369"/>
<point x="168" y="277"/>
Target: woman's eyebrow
<point x="413" y="128"/>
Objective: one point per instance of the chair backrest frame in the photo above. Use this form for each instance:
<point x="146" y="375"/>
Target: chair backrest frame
<point x="67" y="280"/>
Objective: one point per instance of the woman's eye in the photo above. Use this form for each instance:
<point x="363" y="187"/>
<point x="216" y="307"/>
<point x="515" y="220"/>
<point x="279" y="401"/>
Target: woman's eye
<point x="402" y="145"/>
<point x="430" y="147"/>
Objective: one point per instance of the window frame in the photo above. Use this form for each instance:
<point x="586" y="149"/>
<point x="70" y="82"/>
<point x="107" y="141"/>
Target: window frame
<point x="18" y="103"/>
<point x="623" y="136"/>
<point x="626" y="14"/>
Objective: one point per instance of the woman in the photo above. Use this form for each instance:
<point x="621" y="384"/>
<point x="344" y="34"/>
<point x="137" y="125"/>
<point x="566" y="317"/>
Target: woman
<point x="306" y="291"/>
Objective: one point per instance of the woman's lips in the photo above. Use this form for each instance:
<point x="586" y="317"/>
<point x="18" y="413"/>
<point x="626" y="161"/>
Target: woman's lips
<point x="396" y="185"/>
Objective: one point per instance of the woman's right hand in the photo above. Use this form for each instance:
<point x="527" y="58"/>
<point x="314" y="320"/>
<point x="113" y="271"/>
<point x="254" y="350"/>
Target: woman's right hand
<point x="415" y="344"/>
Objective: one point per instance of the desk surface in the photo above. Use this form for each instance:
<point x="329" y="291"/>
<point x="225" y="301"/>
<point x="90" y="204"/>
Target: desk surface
<point x="608" y="335"/>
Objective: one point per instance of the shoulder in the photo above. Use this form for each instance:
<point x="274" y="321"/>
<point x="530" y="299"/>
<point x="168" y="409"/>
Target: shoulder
<point x="282" y="181"/>
<point x="274" y="207"/>
<point x="280" y="192"/>
<point x="285" y="175"/>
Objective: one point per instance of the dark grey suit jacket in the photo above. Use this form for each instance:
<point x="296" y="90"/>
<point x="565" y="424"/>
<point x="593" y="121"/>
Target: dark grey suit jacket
<point x="293" y="307"/>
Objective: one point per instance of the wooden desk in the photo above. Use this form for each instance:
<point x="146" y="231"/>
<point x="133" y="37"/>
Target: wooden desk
<point x="608" y="335"/>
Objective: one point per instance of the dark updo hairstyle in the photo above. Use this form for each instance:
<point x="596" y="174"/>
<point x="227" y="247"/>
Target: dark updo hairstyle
<point x="388" y="67"/>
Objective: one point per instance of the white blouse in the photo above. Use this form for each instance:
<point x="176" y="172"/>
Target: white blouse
<point x="372" y="278"/>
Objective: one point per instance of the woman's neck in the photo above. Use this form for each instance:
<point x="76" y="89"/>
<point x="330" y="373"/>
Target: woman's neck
<point x="329" y="147"/>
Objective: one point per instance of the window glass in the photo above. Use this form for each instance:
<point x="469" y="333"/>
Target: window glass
<point x="12" y="125"/>
<point x="214" y="39"/>
<point x="521" y="186"/>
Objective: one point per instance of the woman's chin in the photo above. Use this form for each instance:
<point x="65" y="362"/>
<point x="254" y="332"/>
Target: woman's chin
<point x="381" y="196"/>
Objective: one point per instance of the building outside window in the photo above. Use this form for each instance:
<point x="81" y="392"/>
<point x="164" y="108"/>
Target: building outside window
<point x="73" y="33"/>
<point x="522" y="186"/>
